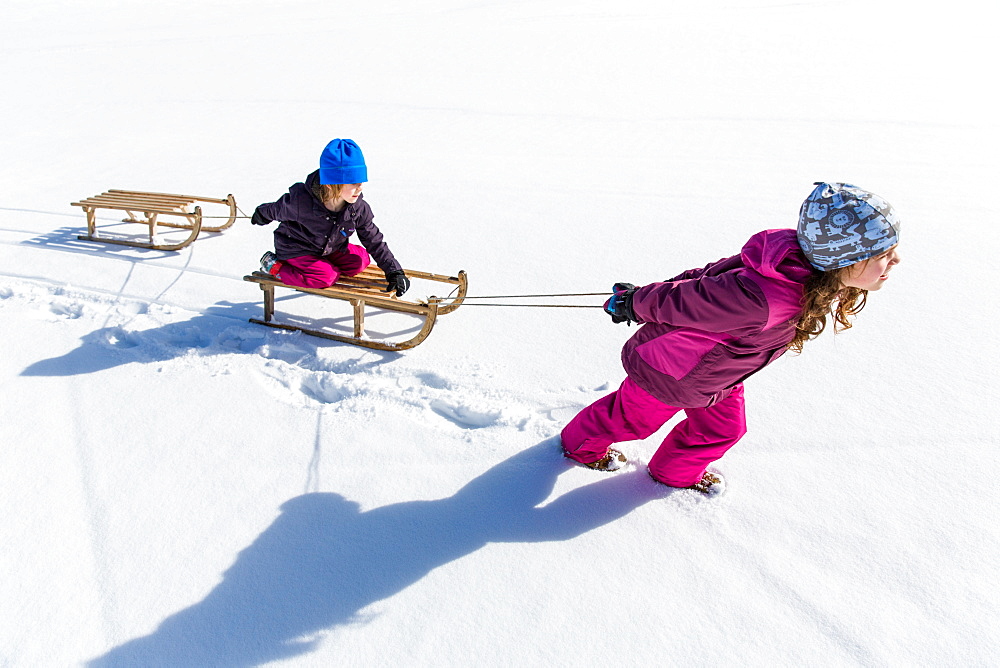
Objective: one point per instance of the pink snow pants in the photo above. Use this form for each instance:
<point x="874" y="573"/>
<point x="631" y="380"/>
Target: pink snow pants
<point x="631" y="413"/>
<point x="310" y="271"/>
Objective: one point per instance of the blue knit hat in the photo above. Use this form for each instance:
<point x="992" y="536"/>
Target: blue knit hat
<point x="841" y="224"/>
<point x="342" y="162"/>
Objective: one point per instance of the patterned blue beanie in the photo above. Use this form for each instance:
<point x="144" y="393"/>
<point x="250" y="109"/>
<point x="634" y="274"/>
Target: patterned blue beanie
<point x="840" y="224"/>
<point x="342" y="162"/>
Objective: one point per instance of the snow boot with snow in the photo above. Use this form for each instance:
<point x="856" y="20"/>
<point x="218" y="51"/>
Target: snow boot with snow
<point x="612" y="461"/>
<point x="711" y="484"/>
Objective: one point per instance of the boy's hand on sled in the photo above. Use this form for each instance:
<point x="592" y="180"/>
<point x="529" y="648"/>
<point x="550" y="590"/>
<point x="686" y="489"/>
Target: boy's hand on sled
<point x="397" y="281"/>
<point x="619" y="307"/>
<point x="258" y="218"/>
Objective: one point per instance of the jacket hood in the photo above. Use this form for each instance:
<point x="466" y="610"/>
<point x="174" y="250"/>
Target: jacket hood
<point x="312" y="180"/>
<point x="776" y="254"/>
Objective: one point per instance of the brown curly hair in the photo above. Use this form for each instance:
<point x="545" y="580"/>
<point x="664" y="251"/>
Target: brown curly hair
<point x="825" y="294"/>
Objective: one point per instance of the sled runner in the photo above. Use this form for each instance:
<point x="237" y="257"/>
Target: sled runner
<point x="367" y="289"/>
<point x="151" y="206"/>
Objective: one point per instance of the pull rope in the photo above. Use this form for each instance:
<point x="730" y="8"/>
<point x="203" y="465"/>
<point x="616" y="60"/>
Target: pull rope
<point x="465" y="302"/>
<point x="242" y="214"/>
<point x="563" y="294"/>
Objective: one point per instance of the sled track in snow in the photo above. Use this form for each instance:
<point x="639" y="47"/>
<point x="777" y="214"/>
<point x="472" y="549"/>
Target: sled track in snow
<point x="70" y="287"/>
<point x="103" y="255"/>
<point x="295" y="369"/>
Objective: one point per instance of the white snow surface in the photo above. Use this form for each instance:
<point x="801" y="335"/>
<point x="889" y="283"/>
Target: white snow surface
<point x="181" y="487"/>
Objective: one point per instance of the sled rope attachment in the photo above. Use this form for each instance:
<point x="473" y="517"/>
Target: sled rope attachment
<point x="242" y="215"/>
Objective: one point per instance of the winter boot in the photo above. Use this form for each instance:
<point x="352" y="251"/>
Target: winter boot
<point x="609" y="462"/>
<point x="269" y="263"/>
<point x="711" y="484"/>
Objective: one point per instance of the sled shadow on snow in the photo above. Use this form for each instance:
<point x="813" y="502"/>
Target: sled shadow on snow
<point x="221" y="329"/>
<point x="67" y="238"/>
<point x="324" y="560"/>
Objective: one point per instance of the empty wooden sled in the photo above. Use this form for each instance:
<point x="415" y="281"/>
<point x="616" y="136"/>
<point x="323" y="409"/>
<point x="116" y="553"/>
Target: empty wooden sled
<point x="181" y="210"/>
<point x="366" y="289"/>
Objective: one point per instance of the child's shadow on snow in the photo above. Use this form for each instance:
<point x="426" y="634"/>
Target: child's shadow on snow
<point x="222" y="329"/>
<point x="323" y="560"/>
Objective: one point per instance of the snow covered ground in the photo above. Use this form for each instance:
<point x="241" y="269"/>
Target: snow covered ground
<point x="180" y="487"/>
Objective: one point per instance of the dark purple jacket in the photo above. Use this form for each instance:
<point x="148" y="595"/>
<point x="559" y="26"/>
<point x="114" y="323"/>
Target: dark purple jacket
<point x="709" y="329"/>
<point x="309" y="228"/>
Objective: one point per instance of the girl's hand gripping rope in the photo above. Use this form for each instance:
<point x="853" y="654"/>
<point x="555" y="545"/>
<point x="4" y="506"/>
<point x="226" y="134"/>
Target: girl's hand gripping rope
<point x="619" y="307"/>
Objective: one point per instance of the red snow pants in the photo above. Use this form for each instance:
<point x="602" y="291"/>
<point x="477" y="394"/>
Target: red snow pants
<point x="631" y="414"/>
<point x="311" y="271"/>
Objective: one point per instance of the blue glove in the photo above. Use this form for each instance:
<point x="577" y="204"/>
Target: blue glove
<point x="619" y="307"/>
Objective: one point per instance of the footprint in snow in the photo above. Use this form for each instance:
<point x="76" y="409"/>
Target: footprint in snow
<point x="326" y="390"/>
<point x="70" y="311"/>
<point x="187" y="337"/>
<point x="239" y="338"/>
<point x="116" y="337"/>
<point x="465" y="417"/>
<point x="284" y="351"/>
<point x="433" y="380"/>
<point x="422" y="380"/>
<point x="563" y="413"/>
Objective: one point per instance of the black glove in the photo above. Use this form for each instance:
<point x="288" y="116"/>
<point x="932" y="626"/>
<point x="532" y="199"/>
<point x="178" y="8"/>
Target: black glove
<point x="397" y="281"/>
<point x="619" y="307"/>
<point x="258" y="218"/>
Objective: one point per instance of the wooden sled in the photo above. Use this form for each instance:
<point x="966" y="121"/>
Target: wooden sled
<point x="152" y="206"/>
<point x="367" y="289"/>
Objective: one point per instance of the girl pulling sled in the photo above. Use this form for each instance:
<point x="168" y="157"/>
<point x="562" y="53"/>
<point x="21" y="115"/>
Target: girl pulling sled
<point x="707" y="330"/>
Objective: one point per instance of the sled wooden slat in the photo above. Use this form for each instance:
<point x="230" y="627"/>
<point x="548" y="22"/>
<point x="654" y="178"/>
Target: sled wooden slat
<point x="147" y="208"/>
<point x="210" y="200"/>
<point x="367" y="289"/>
<point x="372" y="281"/>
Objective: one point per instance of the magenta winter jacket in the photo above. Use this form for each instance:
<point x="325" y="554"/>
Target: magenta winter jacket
<point x="709" y="329"/>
